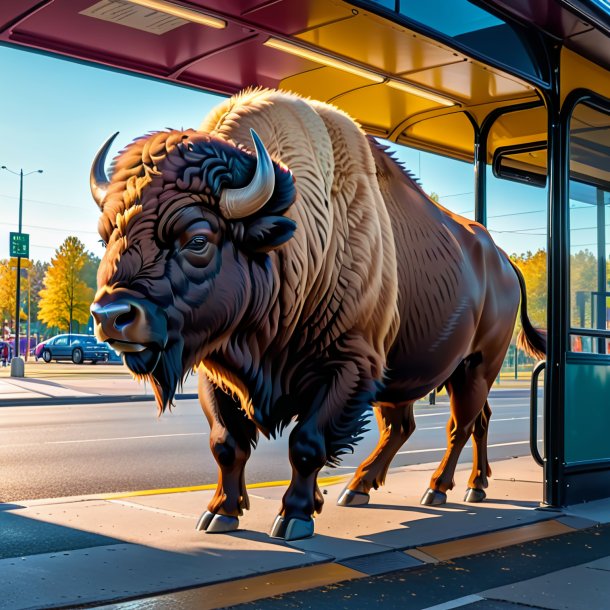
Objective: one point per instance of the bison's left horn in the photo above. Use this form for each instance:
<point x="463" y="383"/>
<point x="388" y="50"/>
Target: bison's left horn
<point x="242" y="202"/>
<point x="97" y="179"/>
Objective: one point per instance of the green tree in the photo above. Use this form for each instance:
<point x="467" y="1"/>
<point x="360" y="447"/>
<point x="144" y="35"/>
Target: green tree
<point x="90" y="270"/>
<point x="36" y="275"/>
<point x="65" y="298"/>
<point x="583" y="281"/>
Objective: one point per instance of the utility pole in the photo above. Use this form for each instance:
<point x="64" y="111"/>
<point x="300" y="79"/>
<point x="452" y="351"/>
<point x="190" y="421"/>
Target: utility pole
<point x="17" y="363"/>
<point x="18" y="304"/>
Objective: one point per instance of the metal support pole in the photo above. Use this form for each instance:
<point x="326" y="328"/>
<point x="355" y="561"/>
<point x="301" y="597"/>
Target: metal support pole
<point x="557" y="241"/>
<point x="601" y="269"/>
<point x="480" y="174"/>
<point x="27" y="343"/>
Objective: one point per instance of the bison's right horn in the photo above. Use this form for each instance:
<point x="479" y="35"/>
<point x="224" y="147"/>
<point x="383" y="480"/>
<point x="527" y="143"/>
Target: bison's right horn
<point x="242" y="202"/>
<point x="97" y="178"/>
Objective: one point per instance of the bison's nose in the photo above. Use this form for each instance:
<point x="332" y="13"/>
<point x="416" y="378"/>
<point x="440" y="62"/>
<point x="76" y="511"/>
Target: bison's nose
<point x="128" y="321"/>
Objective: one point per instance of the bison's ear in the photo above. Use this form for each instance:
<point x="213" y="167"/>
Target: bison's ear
<point x="268" y="232"/>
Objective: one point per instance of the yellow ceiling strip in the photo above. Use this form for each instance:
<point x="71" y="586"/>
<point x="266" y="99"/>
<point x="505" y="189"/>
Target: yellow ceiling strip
<point x="320" y="58"/>
<point x="182" y="12"/>
<point x="395" y="84"/>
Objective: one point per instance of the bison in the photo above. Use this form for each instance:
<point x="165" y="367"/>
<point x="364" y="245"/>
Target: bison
<point x="305" y="274"/>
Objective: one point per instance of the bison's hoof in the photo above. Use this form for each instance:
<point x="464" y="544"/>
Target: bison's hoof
<point x="353" y="498"/>
<point x="217" y="524"/>
<point x="474" y="495"/>
<point x="432" y="497"/>
<point x="291" y="529"/>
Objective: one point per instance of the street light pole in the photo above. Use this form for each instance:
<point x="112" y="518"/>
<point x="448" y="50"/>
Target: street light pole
<point x="18" y="291"/>
<point x="18" y="305"/>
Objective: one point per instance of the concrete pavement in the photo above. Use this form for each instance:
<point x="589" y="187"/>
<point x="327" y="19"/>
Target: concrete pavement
<point x="101" y="550"/>
<point x="64" y="384"/>
<point x="69" y="552"/>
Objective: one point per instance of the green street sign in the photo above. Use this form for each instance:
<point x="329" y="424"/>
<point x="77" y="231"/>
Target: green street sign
<point x="20" y="245"/>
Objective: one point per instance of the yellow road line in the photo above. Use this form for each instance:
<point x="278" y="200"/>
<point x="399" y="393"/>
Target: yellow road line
<point x="324" y="482"/>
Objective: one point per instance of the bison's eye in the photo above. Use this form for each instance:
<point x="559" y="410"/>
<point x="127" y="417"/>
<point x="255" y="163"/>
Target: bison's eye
<point x="198" y="245"/>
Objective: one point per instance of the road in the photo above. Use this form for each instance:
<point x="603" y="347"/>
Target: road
<point x="57" y="451"/>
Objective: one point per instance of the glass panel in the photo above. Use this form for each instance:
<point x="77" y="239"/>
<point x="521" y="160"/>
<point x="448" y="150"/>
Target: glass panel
<point x="589" y="235"/>
<point x="447" y="181"/>
<point x="451" y="17"/>
<point x="517" y="221"/>
<point x="589" y="345"/>
<point x="476" y="29"/>
<point x="602" y="4"/>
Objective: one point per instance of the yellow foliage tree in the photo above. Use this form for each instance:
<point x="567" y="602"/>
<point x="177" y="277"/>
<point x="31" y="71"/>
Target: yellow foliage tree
<point x="66" y="297"/>
<point x="8" y="287"/>
<point x="533" y="268"/>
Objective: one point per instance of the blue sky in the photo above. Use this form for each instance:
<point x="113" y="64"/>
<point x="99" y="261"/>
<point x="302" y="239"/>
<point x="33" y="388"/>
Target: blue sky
<point x="54" y="115"/>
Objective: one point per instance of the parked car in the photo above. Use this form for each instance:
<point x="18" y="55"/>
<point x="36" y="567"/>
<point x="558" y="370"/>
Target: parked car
<point x="37" y="351"/>
<point x="77" y="348"/>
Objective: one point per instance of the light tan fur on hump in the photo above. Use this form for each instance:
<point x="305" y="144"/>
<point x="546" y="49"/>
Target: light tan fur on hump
<point x="340" y="265"/>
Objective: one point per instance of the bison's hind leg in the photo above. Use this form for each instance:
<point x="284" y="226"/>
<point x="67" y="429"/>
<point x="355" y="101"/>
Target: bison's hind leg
<point x="468" y="388"/>
<point x="480" y="465"/>
<point x="396" y="423"/>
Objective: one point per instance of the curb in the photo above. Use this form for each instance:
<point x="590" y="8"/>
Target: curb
<point x="84" y="400"/>
<point x="306" y="578"/>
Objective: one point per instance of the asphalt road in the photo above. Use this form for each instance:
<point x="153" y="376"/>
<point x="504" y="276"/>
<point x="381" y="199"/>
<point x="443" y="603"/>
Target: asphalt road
<point x="57" y="451"/>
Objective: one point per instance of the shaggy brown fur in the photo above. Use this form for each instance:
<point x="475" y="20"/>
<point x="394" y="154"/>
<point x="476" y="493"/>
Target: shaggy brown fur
<point x="350" y="286"/>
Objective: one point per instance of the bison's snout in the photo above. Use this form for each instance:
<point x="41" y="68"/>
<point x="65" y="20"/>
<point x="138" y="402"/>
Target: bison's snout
<point x="131" y="325"/>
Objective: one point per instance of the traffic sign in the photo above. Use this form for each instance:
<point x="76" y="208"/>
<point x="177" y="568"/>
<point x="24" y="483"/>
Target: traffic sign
<point x="20" y="245"/>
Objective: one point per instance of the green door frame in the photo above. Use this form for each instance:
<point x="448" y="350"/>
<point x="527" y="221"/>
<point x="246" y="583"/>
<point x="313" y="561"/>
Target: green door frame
<point x="564" y="483"/>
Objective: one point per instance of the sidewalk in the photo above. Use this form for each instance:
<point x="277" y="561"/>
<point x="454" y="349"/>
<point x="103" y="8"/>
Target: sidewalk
<point x="110" y="386"/>
<point x="69" y="552"/>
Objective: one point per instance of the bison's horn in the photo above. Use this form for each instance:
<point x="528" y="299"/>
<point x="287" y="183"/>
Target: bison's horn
<point x="242" y="202"/>
<point x="97" y="179"/>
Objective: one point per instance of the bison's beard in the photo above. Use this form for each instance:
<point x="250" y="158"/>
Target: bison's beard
<point x="167" y="375"/>
<point x="163" y="368"/>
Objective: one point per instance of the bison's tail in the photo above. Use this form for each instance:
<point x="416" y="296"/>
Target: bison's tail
<point x="530" y="340"/>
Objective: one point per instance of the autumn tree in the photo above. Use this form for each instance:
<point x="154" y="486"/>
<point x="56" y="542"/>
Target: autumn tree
<point x="533" y="268"/>
<point x="8" y="290"/>
<point x="66" y="297"/>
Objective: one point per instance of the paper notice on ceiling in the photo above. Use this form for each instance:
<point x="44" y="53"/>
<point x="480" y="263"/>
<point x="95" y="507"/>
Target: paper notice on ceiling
<point x="134" y="16"/>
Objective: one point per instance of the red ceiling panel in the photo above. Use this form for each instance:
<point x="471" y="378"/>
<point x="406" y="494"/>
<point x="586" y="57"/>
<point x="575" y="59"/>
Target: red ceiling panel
<point x="59" y="26"/>
<point x="12" y="11"/>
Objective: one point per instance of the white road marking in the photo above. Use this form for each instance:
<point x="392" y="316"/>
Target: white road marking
<point x="457" y="603"/>
<point x="102" y="440"/>
<point x="493" y="421"/>
<point x="468" y="445"/>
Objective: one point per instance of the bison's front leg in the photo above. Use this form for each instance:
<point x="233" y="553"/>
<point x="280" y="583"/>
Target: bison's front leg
<point x="231" y="439"/>
<point x="303" y="497"/>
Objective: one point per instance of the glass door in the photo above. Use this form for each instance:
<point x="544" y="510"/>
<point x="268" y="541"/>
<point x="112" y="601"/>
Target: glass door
<point x="586" y="459"/>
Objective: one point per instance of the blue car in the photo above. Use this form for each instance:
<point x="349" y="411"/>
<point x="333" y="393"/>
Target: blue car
<point x="77" y="348"/>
